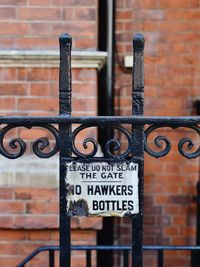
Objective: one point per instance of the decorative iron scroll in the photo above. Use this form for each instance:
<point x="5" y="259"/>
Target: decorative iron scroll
<point x="163" y="143"/>
<point x="111" y="145"/>
<point x="185" y="145"/>
<point x="38" y="145"/>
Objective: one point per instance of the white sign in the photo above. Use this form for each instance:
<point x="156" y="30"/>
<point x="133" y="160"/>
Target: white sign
<point x="102" y="189"/>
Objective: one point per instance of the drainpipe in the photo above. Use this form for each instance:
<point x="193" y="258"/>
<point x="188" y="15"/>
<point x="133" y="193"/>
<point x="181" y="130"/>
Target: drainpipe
<point x="110" y="62"/>
<point x="106" y="40"/>
<point x="106" y="77"/>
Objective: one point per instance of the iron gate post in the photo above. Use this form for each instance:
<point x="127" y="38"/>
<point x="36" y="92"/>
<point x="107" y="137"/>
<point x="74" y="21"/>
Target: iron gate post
<point x="65" y="146"/>
<point x="138" y="147"/>
<point x="195" y="254"/>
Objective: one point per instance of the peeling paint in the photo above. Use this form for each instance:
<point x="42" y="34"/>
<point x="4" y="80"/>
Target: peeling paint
<point x="78" y="208"/>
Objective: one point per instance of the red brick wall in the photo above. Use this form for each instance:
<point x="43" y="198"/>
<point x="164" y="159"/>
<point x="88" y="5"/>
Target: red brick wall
<point x="29" y="220"/>
<point x="37" y="24"/>
<point x="34" y="91"/>
<point x="171" y="85"/>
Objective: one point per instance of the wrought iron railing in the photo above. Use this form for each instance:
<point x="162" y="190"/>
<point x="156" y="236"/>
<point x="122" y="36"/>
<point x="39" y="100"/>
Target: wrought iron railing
<point x="194" y="250"/>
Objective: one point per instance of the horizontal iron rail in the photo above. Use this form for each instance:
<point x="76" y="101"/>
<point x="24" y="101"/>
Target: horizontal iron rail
<point x="65" y="119"/>
<point x="111" y="248"/>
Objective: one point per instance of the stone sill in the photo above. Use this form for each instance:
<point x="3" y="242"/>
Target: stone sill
<point x="50" y="58"/>
<point x="29" y="171"/>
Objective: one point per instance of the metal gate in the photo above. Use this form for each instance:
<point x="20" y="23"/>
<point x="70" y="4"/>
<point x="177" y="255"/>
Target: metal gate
<point x="137" y="138"/>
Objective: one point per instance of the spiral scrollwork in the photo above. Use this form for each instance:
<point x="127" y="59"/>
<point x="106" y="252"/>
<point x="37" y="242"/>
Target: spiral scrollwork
<point x="18" y="144"/>
<point x="162" y="142"/>
<point x="187" y="142"/>
<point x="41" y="147"/>
<point x="40" y="144"/>
<point x="111" y="145"/>
<point x="84" y="143"/>
<point x="114" y="144"/>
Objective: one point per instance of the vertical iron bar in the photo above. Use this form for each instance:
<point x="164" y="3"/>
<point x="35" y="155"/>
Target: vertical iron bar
<point x="160" y="258"/>
<point x="198" y="213"/>
<point x="138" y="145"/>
<point x="51" y="258"/>
<point x="195" y="254"/>
<point x="125" y="258"/>
<point x="65" y="145"/>
<point x="88" y="258"/>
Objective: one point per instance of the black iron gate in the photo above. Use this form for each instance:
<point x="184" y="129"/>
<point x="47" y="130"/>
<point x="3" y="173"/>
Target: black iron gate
<point x="65" y="144"/>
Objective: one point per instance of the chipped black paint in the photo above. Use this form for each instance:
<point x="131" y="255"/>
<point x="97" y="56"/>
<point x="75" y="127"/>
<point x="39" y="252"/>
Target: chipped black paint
<point x="65" y="147"/>
<point x="138" y="144"/>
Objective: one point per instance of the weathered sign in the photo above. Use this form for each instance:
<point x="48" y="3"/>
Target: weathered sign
<point x="102" y="189"/>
